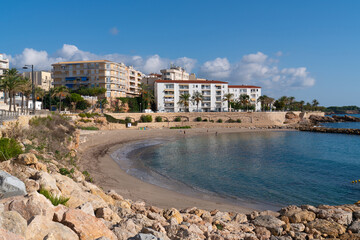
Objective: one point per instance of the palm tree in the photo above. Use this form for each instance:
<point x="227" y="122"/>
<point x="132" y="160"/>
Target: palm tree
<point x="10" y="84"/>
<point x="184" y="100"/>
<point x="228" y="97"/>
<point x="244" y="100"/>
<point x="60" y="92"/>
<point x="25" y="89"/>
<point x="197" y="98"/>
<point x="315" y="103"/>
<point x="262" y="100"/>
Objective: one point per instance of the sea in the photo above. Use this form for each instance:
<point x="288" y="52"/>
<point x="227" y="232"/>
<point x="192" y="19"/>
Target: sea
<point x="268" y="169"/>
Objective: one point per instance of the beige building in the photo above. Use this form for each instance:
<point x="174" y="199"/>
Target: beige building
<point x="42" y="79"/>
<point x="174" y="73"/>
<point x="4" y="64"/>
<point x="118" y="79"/>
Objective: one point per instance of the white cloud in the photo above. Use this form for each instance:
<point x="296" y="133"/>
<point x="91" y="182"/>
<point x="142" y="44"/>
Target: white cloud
<point x="114" y="31"/>
<point x="42" y="60"/>
<point x="258" y="69"/>
<point x="279" y="54"/>
<point x="218" y="68"/>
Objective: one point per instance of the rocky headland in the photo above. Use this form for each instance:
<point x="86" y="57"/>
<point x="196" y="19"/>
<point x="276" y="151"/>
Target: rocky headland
<point x="34" y="183"/>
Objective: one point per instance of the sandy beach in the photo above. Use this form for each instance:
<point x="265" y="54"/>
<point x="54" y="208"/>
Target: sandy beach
<point x="95" y="157"/>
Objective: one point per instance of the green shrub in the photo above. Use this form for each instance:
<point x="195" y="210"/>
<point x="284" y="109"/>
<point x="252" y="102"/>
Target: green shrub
<point x="177" y="119"/>
<point x="158" y="119"/>
<point x="53" y="199"/>
<point x="64" y="171"/>
<point x="219" y="120"/>
<point x="239" y="120"/>
<point x="231" y="121"/>
<point x="183" y="127"/>
<point x="111" y="119"/>
<point x="85" y="120"/>
<point x="198" y="119"/>
<point x="146" y="118"/>
<point x="89" y="128"/>
<point x="87" y="176"/>
<point x="127" y="120"/>
<point x="82" y="115"/>
<point x="205" y="120"/>
<point x="212" y="121"/>
<point x="9" y="148"/>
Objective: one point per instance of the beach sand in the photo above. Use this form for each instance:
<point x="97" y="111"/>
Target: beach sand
<point x="95" y="158"/>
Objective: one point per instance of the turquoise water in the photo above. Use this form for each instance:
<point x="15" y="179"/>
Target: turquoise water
<point x="278" y="168"/>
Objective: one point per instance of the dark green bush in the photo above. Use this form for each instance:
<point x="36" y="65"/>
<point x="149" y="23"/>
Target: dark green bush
<point x="205" y="120"/>
<point x="183" y="127"/>
<point x="219" y="120"/>
<point x="146" y="118"/>
<point x="231" y="121"/>
<point x="82" y="115"/>
<point x="239" y="120"/>
<point x="64" y="171"/>
<point x="9" y="148"/>
<point x="212" y="121"/>
<point x="177" y="119"/>
<point x="158" y="119"/>
<point x="198" y="119"/>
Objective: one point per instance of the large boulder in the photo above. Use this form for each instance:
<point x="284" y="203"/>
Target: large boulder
<point x="86" y="226"/>
<point x="31" y="205"/>
<point x="6" y="235"/>
<point x="270" y="222"/>
<point x="40" y="227"/>
<point x="13" y="222"/>
<point x="10" y="186"/>
<point x="330" y="228"/>
<point x="173" y="213"/>
<point x="338" y="215"/>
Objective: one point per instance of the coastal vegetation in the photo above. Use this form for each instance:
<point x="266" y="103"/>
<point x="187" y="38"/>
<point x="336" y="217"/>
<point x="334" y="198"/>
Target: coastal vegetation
<point x="182" y="127"/>
<point x="343" y="110"/>
<point x="9" y="148"/>
<point x="55" y="200"/>
<point x="158" y="119"/>
<point x="146" y="118"/>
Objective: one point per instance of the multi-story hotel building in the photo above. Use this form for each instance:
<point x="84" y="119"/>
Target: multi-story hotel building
<point x="4" y="64"/>
<point x="174" y="73"/>
<point x="253" y="92"/>
<point x="167" y="95"/>
<point x="118" y="79"/>
<point x="42" y="79"/>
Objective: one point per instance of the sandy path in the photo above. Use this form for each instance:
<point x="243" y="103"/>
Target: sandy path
<point x="95" y="158"/>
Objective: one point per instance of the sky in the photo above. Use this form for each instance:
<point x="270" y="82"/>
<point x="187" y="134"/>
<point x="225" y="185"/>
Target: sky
<point x="306" y="49"/>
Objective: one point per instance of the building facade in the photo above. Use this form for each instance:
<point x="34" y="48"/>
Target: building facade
<point x="4" y="64"/>
<point x="174" y="73"/>
<point x="118" y="79"/>
<point x="167" y="95"/>
<point x="254" y="92"/>
<point x="42" y="79"/>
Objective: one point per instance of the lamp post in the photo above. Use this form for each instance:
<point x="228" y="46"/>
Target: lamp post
<point x="32" y="85"/>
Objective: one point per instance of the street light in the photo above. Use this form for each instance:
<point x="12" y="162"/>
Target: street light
<point x="33" y="85"/>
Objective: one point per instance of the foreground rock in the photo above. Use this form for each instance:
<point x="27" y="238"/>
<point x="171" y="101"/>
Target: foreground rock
<point x="10" y="186"/>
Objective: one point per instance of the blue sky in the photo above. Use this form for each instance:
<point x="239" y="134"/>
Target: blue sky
<point x="307" y="49"/>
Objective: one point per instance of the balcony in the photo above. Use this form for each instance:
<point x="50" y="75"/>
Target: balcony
<point x="218" y="92"/>
<point x="206" y="99"/>
<point x="206" y="93"/>
<point x="169" y="100"/>
<point x="207" y="87"/>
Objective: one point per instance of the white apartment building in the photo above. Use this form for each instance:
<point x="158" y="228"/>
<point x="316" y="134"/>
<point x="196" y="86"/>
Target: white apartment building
<point x="42" y="79"/>
<point x="174" y="73"/>
<point x="253" y="92"/>
<point x="167" y="95"/>
<point x="4" y="63"/>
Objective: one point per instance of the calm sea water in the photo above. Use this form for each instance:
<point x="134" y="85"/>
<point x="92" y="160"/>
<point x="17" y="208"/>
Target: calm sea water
<point x="354" y="125"/>
<point x="278" y="168"/>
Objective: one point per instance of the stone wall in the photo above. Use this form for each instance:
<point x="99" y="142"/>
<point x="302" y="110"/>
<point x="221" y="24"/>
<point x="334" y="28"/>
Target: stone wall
<point x="247" y="118"/>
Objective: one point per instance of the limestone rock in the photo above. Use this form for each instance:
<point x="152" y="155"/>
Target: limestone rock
<point x="6" y="235"/>
<point x="355" y="226"/>
<point x="13" y="222"/>
<point x="31" y="185"/>
<point x="87" y="227"/>
<point x="47" y="182"/>
<point x="173" y="213"/>
<point x="297" y="227"/>
<point x="222" y="216"/>
<point x="31" y="205"/>
<point x="332" y="229"/>
<point x="107" y="214"/>
<point x="270" y="222"/>
<point x="240" y="218"/>
<point x="302" y="217"/>
<point x="87" y="208"/>
<point x="338" y="215"/>
<point x="144" y="236"/>
<point x="59" y="212"/>
<point x="27" y="158"/>
<point x="10" y="186"/>
<point x="40" y="227"/>
<point x="262" y="233"/>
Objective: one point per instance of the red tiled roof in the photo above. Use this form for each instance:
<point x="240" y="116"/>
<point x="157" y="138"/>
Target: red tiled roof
<point x="189" y="81"/>
<point x="243" y="86"/>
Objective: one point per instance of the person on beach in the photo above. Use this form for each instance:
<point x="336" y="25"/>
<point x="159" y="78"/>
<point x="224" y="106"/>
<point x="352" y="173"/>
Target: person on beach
<point x="184" y="131"/>
<point x="216" y="134"/>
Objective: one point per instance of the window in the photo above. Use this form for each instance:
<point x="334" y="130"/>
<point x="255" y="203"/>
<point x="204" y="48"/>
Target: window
<point x="169" y="86"/>
<point x="108" y="94"/>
